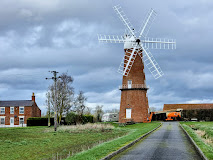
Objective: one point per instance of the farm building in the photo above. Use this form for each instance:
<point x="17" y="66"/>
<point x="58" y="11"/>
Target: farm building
<point x="201" y="112"/>
<point x="110" y="117"/>
<point x="15" y="113"/>
<point x="187" y="106"/>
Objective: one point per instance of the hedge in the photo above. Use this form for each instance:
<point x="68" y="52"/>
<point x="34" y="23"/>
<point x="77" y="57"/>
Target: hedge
<point x="38" y="121"/>
<point x="200" y="114"/>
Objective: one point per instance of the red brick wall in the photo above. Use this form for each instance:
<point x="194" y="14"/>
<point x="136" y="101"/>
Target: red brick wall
<point x="135" y="99"/>
<point x="27" y="114"/>
<point x="187" y="106"/>
<point x="36" y="111"/>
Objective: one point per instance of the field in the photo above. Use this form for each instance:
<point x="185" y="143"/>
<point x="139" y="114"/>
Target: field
<point x="42" y="143"/>
<point x="202" y="134"/>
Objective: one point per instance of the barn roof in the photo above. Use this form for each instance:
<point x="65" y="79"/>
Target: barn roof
<point x="16" y="103"/>
<point x="188" y="106"/>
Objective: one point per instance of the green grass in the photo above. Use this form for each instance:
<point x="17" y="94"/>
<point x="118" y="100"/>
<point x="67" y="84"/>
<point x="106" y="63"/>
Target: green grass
<point x="36" y="143"/>
<point x="102" y="150"/>
<point x="191" y="127"/>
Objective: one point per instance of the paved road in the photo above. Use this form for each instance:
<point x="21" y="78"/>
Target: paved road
<point x="166" y="143"/>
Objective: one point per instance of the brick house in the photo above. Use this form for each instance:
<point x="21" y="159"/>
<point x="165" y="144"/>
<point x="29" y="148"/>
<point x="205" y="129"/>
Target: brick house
<point x="16" y="112"/>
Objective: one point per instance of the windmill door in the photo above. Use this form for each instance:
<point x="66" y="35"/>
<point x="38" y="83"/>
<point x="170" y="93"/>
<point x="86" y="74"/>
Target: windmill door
<point x="128" y="112"/>
<point x="129" y="84"/>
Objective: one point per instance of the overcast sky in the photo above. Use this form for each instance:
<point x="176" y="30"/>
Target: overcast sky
<point x="41" y="35"/>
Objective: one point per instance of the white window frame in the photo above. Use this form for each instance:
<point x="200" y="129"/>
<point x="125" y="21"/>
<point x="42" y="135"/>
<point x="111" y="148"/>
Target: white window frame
<point x="1" y="118"/>
<point x="20" y="120"/>
<point x="20" y="110"/>
<point x="10" y="110"/>
<point x="2" y="108"/>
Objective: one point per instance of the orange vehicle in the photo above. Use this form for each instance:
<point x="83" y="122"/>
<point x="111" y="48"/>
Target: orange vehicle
<point x="148" y="119"/>
<point x="173" y="116"/>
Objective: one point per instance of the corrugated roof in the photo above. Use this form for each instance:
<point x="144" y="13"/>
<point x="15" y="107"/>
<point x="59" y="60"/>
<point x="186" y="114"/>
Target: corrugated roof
<point x="16" y="103"/>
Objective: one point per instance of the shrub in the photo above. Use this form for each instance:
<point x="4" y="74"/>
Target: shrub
<point x="87" y="119"/>
<point x="71" y="118"/>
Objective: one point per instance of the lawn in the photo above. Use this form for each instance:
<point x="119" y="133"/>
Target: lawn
<point x="202" y="134"/>
<point x="42" y="143"/>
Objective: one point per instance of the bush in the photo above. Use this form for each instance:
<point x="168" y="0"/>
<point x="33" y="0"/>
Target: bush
<point x="71" y="118"/>
<point x="200" y="114"/>
<point x="87" y="119"/>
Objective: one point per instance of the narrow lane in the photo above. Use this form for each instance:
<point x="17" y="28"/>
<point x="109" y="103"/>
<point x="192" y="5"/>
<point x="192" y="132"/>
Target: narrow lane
<point x="166" y="143"/>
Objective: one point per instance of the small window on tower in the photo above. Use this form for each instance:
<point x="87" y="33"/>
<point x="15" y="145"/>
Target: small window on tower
<point x="129" y="84"/>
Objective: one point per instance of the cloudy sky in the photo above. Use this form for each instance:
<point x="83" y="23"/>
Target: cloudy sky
<point x="37" y="36"/>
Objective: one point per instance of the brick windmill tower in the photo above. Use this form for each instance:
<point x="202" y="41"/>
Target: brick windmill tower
<point x="134" y="102"/>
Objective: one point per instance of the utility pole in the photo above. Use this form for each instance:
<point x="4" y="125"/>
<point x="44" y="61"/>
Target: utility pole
<point x="48" y="103"/>
<point x="55" y="78"/>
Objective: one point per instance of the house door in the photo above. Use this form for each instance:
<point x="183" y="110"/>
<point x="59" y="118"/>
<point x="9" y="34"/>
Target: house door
<point x="128" y="113"/>
<point x="12" y="121"/>
<point x="129" y="84"/>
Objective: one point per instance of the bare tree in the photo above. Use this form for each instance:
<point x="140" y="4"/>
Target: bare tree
<point x="79" y="105"/>
<point x="64" y="96"/>
<point x="87" y="111"/>
<point x="99" y="112"/>
<point x="152" y="109"/>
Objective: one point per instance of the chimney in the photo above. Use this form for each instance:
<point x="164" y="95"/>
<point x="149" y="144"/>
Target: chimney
<point x="33" y="97"/>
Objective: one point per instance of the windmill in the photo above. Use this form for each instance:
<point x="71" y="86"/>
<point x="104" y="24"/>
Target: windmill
<point x="134" y="102"/>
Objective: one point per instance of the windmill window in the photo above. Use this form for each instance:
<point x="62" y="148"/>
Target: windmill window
<point x="129" y="84"/>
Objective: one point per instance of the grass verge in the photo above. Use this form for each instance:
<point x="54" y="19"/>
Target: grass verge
<point x="102" y="150"/>
<point x="43" y="143"/>
<point x="200" y="132"/>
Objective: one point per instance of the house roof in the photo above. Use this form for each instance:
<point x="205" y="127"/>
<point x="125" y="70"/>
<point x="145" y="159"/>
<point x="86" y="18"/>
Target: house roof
<point x="16" y="103"/>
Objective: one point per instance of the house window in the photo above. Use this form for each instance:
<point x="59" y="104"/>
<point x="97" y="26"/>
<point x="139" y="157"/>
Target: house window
<point x="11" y="110"/>
<point x="21" y="110"/>
<point x="21" y="120"/>
<point x="2" y="119"/>
<point x="2" y="110"/>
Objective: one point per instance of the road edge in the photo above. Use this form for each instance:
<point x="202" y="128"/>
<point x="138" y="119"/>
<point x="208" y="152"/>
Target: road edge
<point x="129" y="145"/>
<point x="200" y="152"/>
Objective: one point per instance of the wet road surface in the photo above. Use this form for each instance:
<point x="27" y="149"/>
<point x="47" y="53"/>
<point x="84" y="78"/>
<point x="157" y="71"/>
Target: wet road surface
<point x="166" y="143"/>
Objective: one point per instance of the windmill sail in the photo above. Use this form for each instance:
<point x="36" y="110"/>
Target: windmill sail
<point x="147" y="23"/>
<point x="124" y="19"/>
<point x="151" y="63"/>
<point x="131" y="42"/>
<point x="129" y="59"/>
